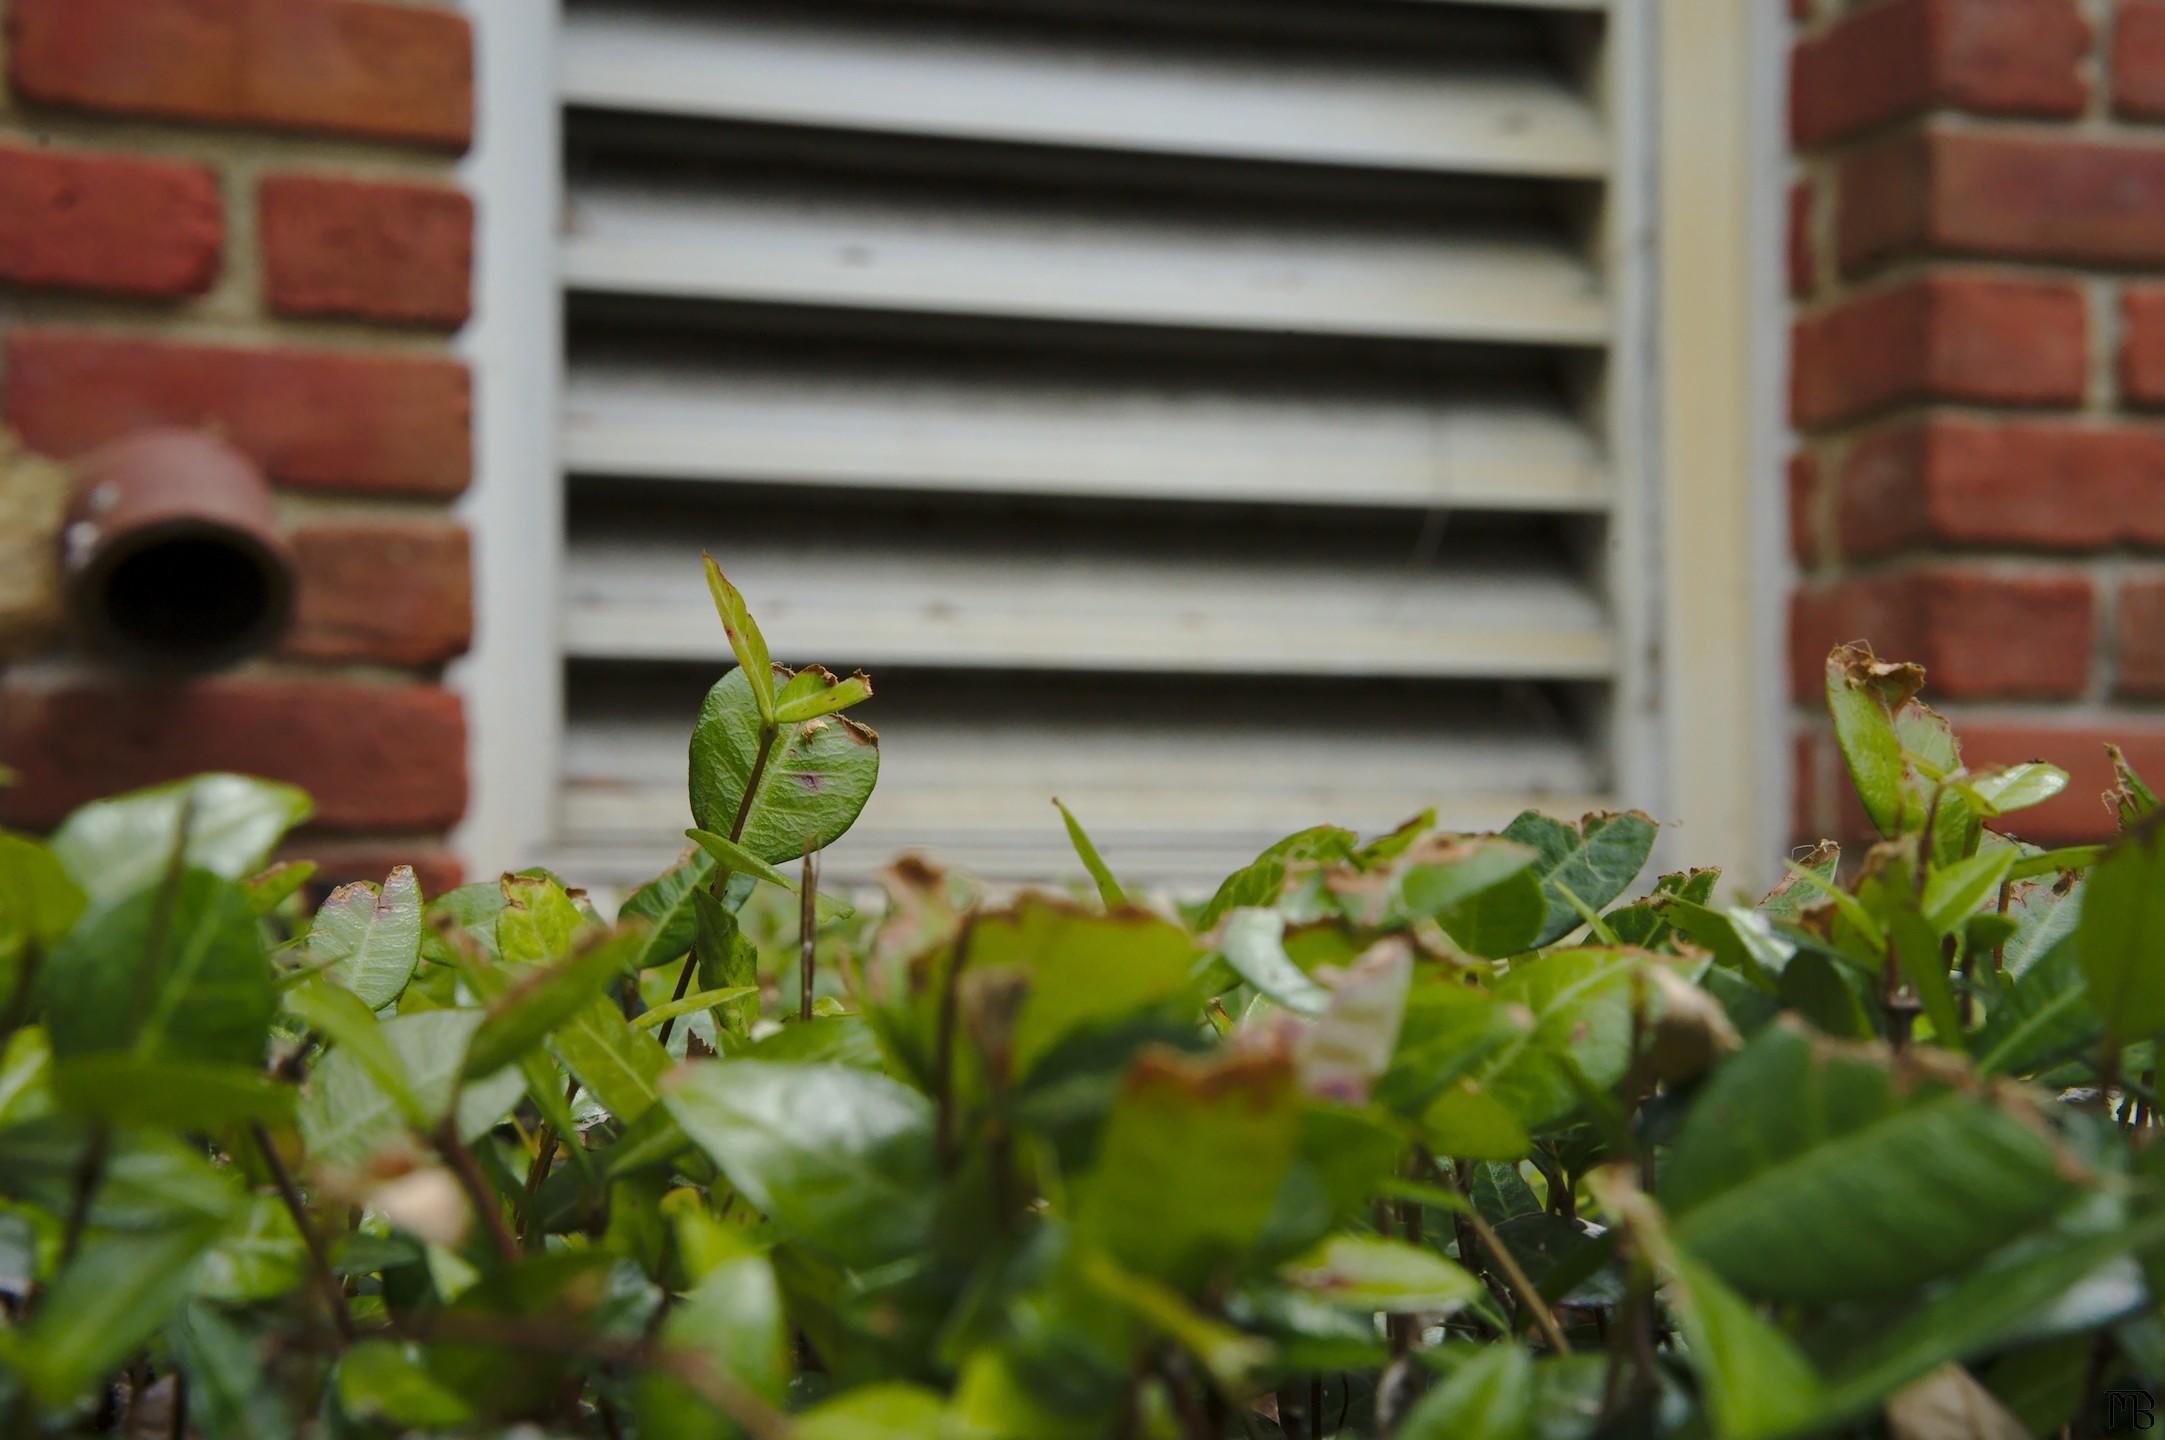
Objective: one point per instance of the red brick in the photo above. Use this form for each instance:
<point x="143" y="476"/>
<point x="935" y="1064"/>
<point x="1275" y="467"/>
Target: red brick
<point x="1807" y="507"/>
<point x="1801" y="276"/>
<point x="400" y="593"/>
<point x="2142" y="344"/>
<point x="395" y="72"/>
<point x="1978" y="635"/>
<point x="375" y="757"/>
<point x="2031" y="484"/>
<point x="2076" y="814"/>
<point x="1995" y="57"/>
<point x="337" y="862"/>
<point x="314" y="419"/>
<point x="2003" y="195"/>
<point x="2138" y="59"/>
<point x="108" y="222"/>
<point x="373" y="251"/>
<point x="2139" y="626"/>
<point x="1995" y="342"/>
<point x="1812" y="815"/>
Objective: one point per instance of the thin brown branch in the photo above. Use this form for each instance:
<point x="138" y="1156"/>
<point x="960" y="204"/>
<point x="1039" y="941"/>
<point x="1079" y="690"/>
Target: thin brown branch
<point x="1528" y="1294"/>
<point x="334" y="1294"/>
<point x="736" y="834"/>
<point x="478" y="1194"/>
<point x="807" y="931"/>
<point x="943" y="1087"/>
<point x="538" y="1171"/>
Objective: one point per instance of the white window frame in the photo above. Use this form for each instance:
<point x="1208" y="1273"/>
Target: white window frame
<point x="1694" y="419"/>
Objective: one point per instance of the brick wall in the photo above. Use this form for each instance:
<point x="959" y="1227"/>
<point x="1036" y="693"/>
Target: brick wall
<point x="238" y="214"/>
<point x="1977" y="259"/>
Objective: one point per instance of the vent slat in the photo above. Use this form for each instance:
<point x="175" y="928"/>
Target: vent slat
<point x="1053" y="592"/>
<point x="914" y="75"/>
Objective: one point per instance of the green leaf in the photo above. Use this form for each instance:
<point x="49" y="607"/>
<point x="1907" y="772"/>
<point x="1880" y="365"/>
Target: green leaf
<point x="727" y="961"/>
<point x="114" y="848"/>
<point x="1953" y="892"/>
<point x="38" y="902"/>
<point x="733" y="1319"/>
<point x="1580" y="1001"/>
<point x="2004" y="789"/>
<point x="744" y="639"/>
<point x="1345" y="1050"/>
<point x="1179" y="1130"/>
<point x="1108" y="888"/>
<point x="1977" y="1310"/>
<point x="816" y="779"/>
<point x="1490" y="1395"/>
<point x="116" y="1293"/>
<point x="2051" y="862"/>
<point x="260" y="1257"/>
<point x="344" y="1019"/>
<point x="225" y="1370"/>
<point x="153" y="1181"/>
<point x="1864" y="694"/>
<point x="1918" y="955"/>
<point x="1230" y="1358"/>
<point x="346" y="1117"/>
<point x="886" y="1411"/>
<point x="538" y="921"/>
<point x="1741" y="938"/>
<point x="2130" y="798"/>
<point x="1925" y="1175"/>
<point x="385" y="1380"/>
<point x="543" y="999"/>
<point x="26" y="1076"/>
<point x="2038" y="1016"/>
<point x="839" y="1159"/>
<point x="135" y="1089"/>
<point x="732" y="858"/>
<point x="623" y="1067"/>
<point x="699" y="1000"/>
<point x="665" y="903"/>
<point x="271" y="888"/>
<point x="1368" y="1272"/>
<point x="1595" y="860"/>
<point x="369" y="938"/>
<point x="2121" y="936"/>
<point x="175" y="971"/>
<point x="814" y="691"/>
<point x="1253" y="943"/>
<point x="1756" y="1381"/>
<point x="1084" y="967"/>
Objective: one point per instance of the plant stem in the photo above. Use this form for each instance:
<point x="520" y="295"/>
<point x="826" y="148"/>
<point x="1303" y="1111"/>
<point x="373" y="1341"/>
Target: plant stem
<point x="87" y="1175"/>
<point x="806" y="933"/>
<point x="751" y="782"/>
<point x="943" y="1088"/>
<point x="478" y="1194"/>
<point x="1529" y="1295"/>
<point x="544" y="1157"/>
<point x="736" y="834"/>
<point x="334" y="1294"/>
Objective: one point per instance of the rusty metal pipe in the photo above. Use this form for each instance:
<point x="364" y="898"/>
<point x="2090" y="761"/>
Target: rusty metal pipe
<point x="171" y="555"/>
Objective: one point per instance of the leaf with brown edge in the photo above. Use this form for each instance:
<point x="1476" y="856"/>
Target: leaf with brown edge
<point x="814" y="691"/>
<point x="809" y="788"/>
<point x="1864" y="694"/>
<point x="745" y="640"/>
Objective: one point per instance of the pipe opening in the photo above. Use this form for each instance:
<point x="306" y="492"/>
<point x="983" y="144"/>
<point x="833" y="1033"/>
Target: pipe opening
<point x="190" y="600"/>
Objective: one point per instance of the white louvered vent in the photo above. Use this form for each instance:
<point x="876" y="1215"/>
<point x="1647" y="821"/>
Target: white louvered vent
<point x="1203" y="410"/>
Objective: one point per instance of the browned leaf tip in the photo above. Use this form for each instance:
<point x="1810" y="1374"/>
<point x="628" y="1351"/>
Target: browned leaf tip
<point x="1893" y="683"/>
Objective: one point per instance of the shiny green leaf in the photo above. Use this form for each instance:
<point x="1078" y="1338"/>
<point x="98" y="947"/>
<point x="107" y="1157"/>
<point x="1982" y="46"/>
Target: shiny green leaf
<point x="817" y="776"/>
<point x="115" y="848"/>
<point x="369" y="938"/>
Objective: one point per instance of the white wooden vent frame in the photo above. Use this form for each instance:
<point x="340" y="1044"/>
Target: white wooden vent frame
<point x="1078" y="298"/>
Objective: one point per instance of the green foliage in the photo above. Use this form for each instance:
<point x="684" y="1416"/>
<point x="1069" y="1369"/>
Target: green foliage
<point x="1427" y="1135"/>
